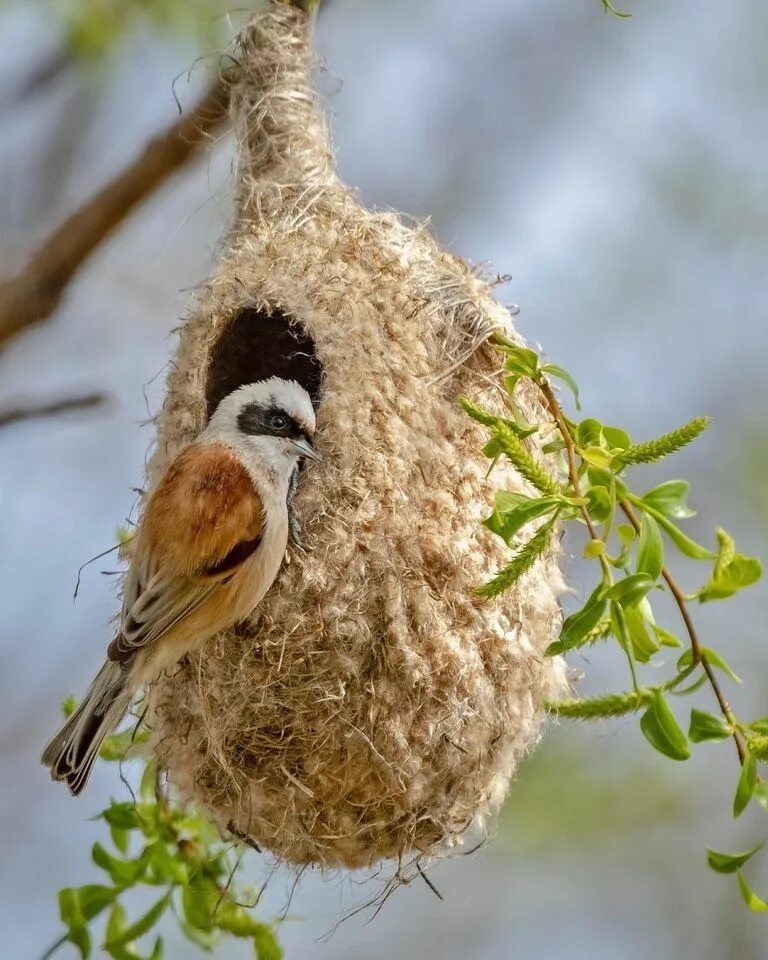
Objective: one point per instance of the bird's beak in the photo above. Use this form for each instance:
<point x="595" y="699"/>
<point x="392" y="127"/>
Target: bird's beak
<point x="305" y="449"/>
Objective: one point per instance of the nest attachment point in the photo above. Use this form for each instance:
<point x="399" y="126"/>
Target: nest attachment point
<point x="373" y="707"/>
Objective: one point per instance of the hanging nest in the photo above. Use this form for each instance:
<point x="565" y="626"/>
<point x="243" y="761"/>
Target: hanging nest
<point x="373" y="707"/>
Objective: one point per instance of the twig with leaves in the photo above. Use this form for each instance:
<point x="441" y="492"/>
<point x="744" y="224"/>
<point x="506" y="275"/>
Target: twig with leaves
<point x="583" y="479"/>
<point x="160" y="844"/>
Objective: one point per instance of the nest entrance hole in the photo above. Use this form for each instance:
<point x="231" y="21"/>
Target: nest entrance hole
<point x="256" y="345"/>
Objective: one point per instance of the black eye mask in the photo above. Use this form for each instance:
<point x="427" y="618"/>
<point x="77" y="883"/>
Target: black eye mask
<point x="257" y="419"/>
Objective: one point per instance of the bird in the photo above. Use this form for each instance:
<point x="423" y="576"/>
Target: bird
<point x="210" y="543"/>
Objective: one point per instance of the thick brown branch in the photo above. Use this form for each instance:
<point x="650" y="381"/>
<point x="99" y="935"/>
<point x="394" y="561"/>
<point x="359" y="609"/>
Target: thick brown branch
<point x="33" y="294"/>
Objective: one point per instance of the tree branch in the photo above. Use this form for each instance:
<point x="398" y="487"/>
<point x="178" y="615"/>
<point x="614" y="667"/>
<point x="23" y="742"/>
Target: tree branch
<point x="34" y="293"/>
<point x="34" y="410"/>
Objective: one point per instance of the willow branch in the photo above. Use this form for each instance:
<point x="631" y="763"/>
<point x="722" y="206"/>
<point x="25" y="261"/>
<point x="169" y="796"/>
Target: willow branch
<point x="698" y="654"/>
<point x="573" y="470"/>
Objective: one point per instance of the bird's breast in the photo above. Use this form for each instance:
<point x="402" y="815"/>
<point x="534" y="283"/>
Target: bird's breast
<point x="249" y="584"/>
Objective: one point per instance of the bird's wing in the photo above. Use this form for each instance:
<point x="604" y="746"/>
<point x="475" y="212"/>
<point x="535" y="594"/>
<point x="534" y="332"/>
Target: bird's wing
<point x="204" y="520"/>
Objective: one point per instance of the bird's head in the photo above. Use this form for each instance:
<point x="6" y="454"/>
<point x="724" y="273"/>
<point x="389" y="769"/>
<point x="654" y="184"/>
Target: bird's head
<point x="273" y="419"/>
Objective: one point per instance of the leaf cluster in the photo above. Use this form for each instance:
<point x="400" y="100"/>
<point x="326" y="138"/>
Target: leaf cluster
<point x="175" y="850"/>
<point x="581" y="478"/>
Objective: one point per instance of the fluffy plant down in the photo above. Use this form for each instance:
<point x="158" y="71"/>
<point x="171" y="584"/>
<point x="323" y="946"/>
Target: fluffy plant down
<point x="374" y="707"/>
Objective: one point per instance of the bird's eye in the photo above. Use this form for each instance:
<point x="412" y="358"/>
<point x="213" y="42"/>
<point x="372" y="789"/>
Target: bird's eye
<point x="277" y="422"/>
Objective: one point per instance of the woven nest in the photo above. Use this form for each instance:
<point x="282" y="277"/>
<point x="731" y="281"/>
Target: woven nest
<point x="373" y="707"/>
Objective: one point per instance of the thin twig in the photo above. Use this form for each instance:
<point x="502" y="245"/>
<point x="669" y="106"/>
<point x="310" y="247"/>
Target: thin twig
<point x="55" y="946"/>
<point x="697" y="652"/>
<point x="573" y="471"/>
<point x="44" y="75"/>
<point x="570" y="449"/>
<point x="33" y="411"/>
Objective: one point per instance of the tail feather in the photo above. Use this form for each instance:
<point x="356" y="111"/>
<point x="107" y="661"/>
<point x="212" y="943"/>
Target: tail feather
<point x="74" y="749"/>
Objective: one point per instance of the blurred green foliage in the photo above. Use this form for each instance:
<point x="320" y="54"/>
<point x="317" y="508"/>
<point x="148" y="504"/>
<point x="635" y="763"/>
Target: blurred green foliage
<point x="94" y="28"/>
<point x="562" y="798"/>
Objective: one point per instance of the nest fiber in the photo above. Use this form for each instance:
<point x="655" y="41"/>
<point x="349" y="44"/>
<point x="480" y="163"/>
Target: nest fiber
<point x="373" y="707"/>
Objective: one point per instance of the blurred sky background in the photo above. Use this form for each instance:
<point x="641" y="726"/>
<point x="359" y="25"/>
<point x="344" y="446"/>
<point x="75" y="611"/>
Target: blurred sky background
<point x="617" y="170"/>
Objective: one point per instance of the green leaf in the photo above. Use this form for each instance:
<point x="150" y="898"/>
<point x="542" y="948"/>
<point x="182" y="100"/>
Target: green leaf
<point x="122" y="872"/>
<point x="683" y="543"/>
<point x="761" y="794"/>
<point x="665" y="638"/>
<point x="645" y="645"/>
<point x="600" y="504"/>
<point x="662" y="730"/>
<point x="730" y="862"/>
<point x="554" y="446"/>
<point x="554" y="371"/>
<point x="116" y="923"/>
<point x="631" y="589"/>
<point x="616" y="439"/>
<point x="81" y="938"/>
<point x="207" y="939"/>
<point x="265" y="944"/>
<point x="124" y="816"/>
<point x="626" y="533"/>
<point x="115" y="926"/>
<point x="746" y="785"/>
<point x="732" y="571"/>
<point x="577" y="627"/>
<point x="166" y="868"/>
<point x="650" y="548"/>
<point x="523" y="560"/>
<point x="522" y="361"/>
<point x="94" y="898"/>
<point x="198" y="901"/>
<point x="514" y="510"/>
<point x="72" y="916"/>
<point x="147" y="786"/>
<point x="237" y="921"/>
<point x="597" y="456"/>
<point x="760" y="725"/>
<point x="69" y="906"/>
<point x="653" y="450"/>
<point x="120" y="838"/>
<point x="713" y="658"/>
<point x="158" y="950"/>
<point x="669" y="499"/>
<point x="589" y="433"/>
<point x="143" y="925"/>
<point x="750" y="897"/>
<point x="609" y="8"/>
<point x="706" y="727"/>
<point x="602" y="477"/>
